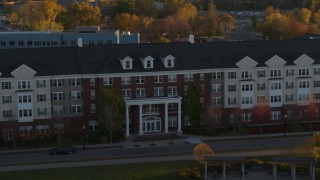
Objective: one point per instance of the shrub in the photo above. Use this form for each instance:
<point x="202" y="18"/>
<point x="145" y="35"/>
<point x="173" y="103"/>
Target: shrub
<point x="189" y="173"/>
<point x="209" y="131"/>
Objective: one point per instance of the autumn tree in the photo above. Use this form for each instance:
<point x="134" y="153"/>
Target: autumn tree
<point x="200" y="151"/>
<point x="110" y="110"/>
<point x="146" y="27"/>
<point x="171" y="7"/>
<point x="226" y="22"/>
<point x="127" y="22"/>
<point x="187" y="12"/>
<point x="80" y="14"/>
<point x="37" y="15"/>
<point x="212" y="20"/>
<point x="192" y="105"/>
<point x="302" y="15"/>
<point x="312" y="148"/>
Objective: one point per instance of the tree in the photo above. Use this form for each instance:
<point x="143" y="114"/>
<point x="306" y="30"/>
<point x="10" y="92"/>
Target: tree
<point x="110" y="110"/>
<point x="226" y="22"/>
<point x="212" y="20"/>
<point x="127" y="22"/>
<point x="38" y="15"/>
<point x="187" y="12"/>
<point x="80" y="14"/>
<point x="200" y="151"/>
<point x="192" y="105"/>
<point x="304" y="15"/>
<point x="313" y="146"/>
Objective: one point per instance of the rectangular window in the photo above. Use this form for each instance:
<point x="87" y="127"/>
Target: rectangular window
<point x="172" y="121"/>
<point x="275" y="86"/>
<point x="216" y="100"/>
<point x="217" y="75"/>
<point x="261" y="99"/>
<point x="246" y="100"/>
<point x="304" y="72"/>
<point x="303" y="97"/>
<point x="92" y="94"/>
<point x="275" y="73"/>
<point x="289" y="72"/>
<point x="316" y="96"/>
<point x="232" y="75"/>
<point x="41" y="83"/>
<point x="108" y="81"/>
<point x="316" y="71"/>
<point x="188" y="77"/>
<point x="158" y="79"/>
<point x="275" y="115"/>
<point x="201" y="76"/>
<point x="261" y="73"/>
<point x="232" y="101"/>
<point x="76" y="109"/>
<point x="304" y="84"/>
<point x="216" y="88"/>
<point x="140" y="92"/>
<point x="75" y="95"/>
<point x="289" y="85"/>
<point x="56" y="110"/>
<point x="57" y="96"/>
<point x="24" y="98"/>
<point x="6" y="99"/>
<point x="25" y="130"/>
<point x="261" y="86"/>
<point x="246" y="117"/>
<point x="140" y="80"/>
<point x="247" y="87"/>
<point x="25" y="112"/>
<point x="289" y="98"/>
<point x="93" y="108"/>
<point x="158" y="91"/>
<point x="232" y="88"/>
<point x="316" y="84"/>
<point x="125" y="80"/>
<point x="57" y="82"/>
<point x="172" y="91"/>
<point x="42" y="129"/>
<point x="275" y="99"/>
<point x="126" y="93"/>
<point x="7" y="113"/>
<point x="92" y="81"/>
<point x="41" y="98"/>
<point x="26" y="84"/>
<point x="93" y="126"/>
<point x="172" y="78"/>
<point x="42" y="111"/>
<point x="246" y="74"/>
<point x="6" y="85"/>
<point x="150" y="109"/>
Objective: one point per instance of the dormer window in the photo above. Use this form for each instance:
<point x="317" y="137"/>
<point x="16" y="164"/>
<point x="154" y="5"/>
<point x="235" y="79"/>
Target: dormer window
<point x="147" y="62"/>
<point x="126" y="62"/>
<point x="168" y="61"/>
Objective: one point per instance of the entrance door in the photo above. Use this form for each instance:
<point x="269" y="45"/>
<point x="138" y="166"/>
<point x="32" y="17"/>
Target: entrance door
<point x="151" y="124"/>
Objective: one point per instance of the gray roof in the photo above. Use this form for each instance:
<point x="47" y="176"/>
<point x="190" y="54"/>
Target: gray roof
<point x="105" y="59"/>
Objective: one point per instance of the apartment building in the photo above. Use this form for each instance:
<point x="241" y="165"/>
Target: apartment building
<point x="256" y="83"/>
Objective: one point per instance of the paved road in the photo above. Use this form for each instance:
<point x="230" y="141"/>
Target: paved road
<point x="116" y="153"/>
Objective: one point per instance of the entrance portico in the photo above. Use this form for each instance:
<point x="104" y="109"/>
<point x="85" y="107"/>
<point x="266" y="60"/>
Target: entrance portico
<point x="152" y="123"/>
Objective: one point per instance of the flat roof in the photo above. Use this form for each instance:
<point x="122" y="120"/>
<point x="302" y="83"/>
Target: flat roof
<point x="294" y="159"/>
<point x="224" y="158"/>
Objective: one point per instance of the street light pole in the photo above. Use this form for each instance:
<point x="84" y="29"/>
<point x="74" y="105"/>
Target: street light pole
<point x="284" y="125"/>
<point x="84" y="136"/>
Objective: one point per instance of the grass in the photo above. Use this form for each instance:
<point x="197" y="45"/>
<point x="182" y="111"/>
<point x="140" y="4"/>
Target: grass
<point x="154" y="171"/>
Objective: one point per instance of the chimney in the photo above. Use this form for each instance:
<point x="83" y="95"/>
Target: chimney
<point x="80" y="42"/>
<point x="191" y="38"/>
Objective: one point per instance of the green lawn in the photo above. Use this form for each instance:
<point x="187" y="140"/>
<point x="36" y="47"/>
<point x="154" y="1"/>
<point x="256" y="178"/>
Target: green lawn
<point x="154" y="171"/>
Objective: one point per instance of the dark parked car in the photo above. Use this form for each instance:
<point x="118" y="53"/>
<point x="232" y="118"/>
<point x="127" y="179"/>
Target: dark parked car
<point x="63" y="150"/>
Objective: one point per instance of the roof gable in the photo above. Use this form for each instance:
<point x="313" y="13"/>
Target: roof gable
<point x="23" y="71"/>
<point x="303" y="60"/>
<point x="275" y="61"/>
<point x="246" y="63"/>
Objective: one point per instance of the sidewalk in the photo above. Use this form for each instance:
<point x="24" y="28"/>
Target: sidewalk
<point x="185" y="139"/>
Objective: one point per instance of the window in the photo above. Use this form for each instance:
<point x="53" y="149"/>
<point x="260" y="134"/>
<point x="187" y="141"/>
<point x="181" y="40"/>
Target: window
<point x="42" y="129"/>
<point x="158" y="79"/>
<point x="93" y="126"/>
<point x="92" y="94"/>
<point x="140" y="92"/>
<point x="246" y="116"/>
<point x="57" y="96"/>
<point x="232" y="101"/>
<point x="24" y="98"/>
<point x="25" y="112"/>
<point x="316" y="96"/>
<point x="217" y="75"/>
<point x="316" y="84"/>
<point x="41" y="83"/>
<point x="289" y="85"/>
<point x="261" y="99"/>
<point x="150" y="109"/>
<point x="261" y="86"/>
<point x="247" y="87"/>
<point x="246" y="74"/>
<point x="216" y="88"/>
<point x="56" y="110"/>
<point x="158" y="91"/>
<point x="188" y="77"/>
<point x="75" y="95"/>
<point x="11" y="43"/>
<point x="316" y="71"/>
<point x="42" y="111"/>
<point x="108" y="81"/>
<point x="275" y="99"/>
<point x="232" y="75"/>
<point x="140" y="80"/>
<point x="289" y="72"/>
<point x="172" y="78"/>
<point x="76" y="109"/>
<point x="169" y="63"/>
<point x="41" y="98"/>
<point x="6" y="85"/>
<point x="231" y="117"/>
<point x="275" y="115"/>
<point x="92" y="81"/>
<point x="303" y="84"/>
<point x="93" y="108"/>
<point x="275" y="73"/>
<point x="149" y="64"/>
<point x="232" y="88"/>
<point x="172" y="121"/>
<point x="216" y="118"/>
<point x="303" y="97"/>
<point x="172" y="106"/>
<point x="172" y="91"/>
<point x="25" y="130"/>
<point x="125" y="80"/>
<point x="275" y="86"/>
<point x="201" y="76"/>
<point x="3" y="43"/>
<point x="7" y="113"/>
<point x="289" y="97"/>
<point x="24" y="84"/>
<point x="216" y="100"/>
<point x="128" y="65"/>
<point x="57" y="82"/>
<point x="75" y="82"/>
<point x="126" y="93"/>
<point x="261" y="73"/>
<point x="6" y="99"/>
<point x="246" y="100"/>
<point x="303" y="72"/>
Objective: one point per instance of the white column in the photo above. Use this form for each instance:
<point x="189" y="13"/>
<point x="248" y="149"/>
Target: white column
<point x="179" y="117"/>
<point x="313" y="177"/>
<point x="293" y="172"/>
<point x="242" y="170"/>
<point x="140" y="120"/>
<point x="274" y="172"/>
<point x="224" y="169"/>
<point x="127" y="121"/>
<point x="166" y="118"/>
<point x="205" y="171"/>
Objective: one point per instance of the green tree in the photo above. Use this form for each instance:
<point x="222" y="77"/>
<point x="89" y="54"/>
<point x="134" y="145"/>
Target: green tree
<point x="192" y="105"/>
<point x="110" y="110"/>
<point x="38" y="15"/>
<point x="80" y="14"/>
